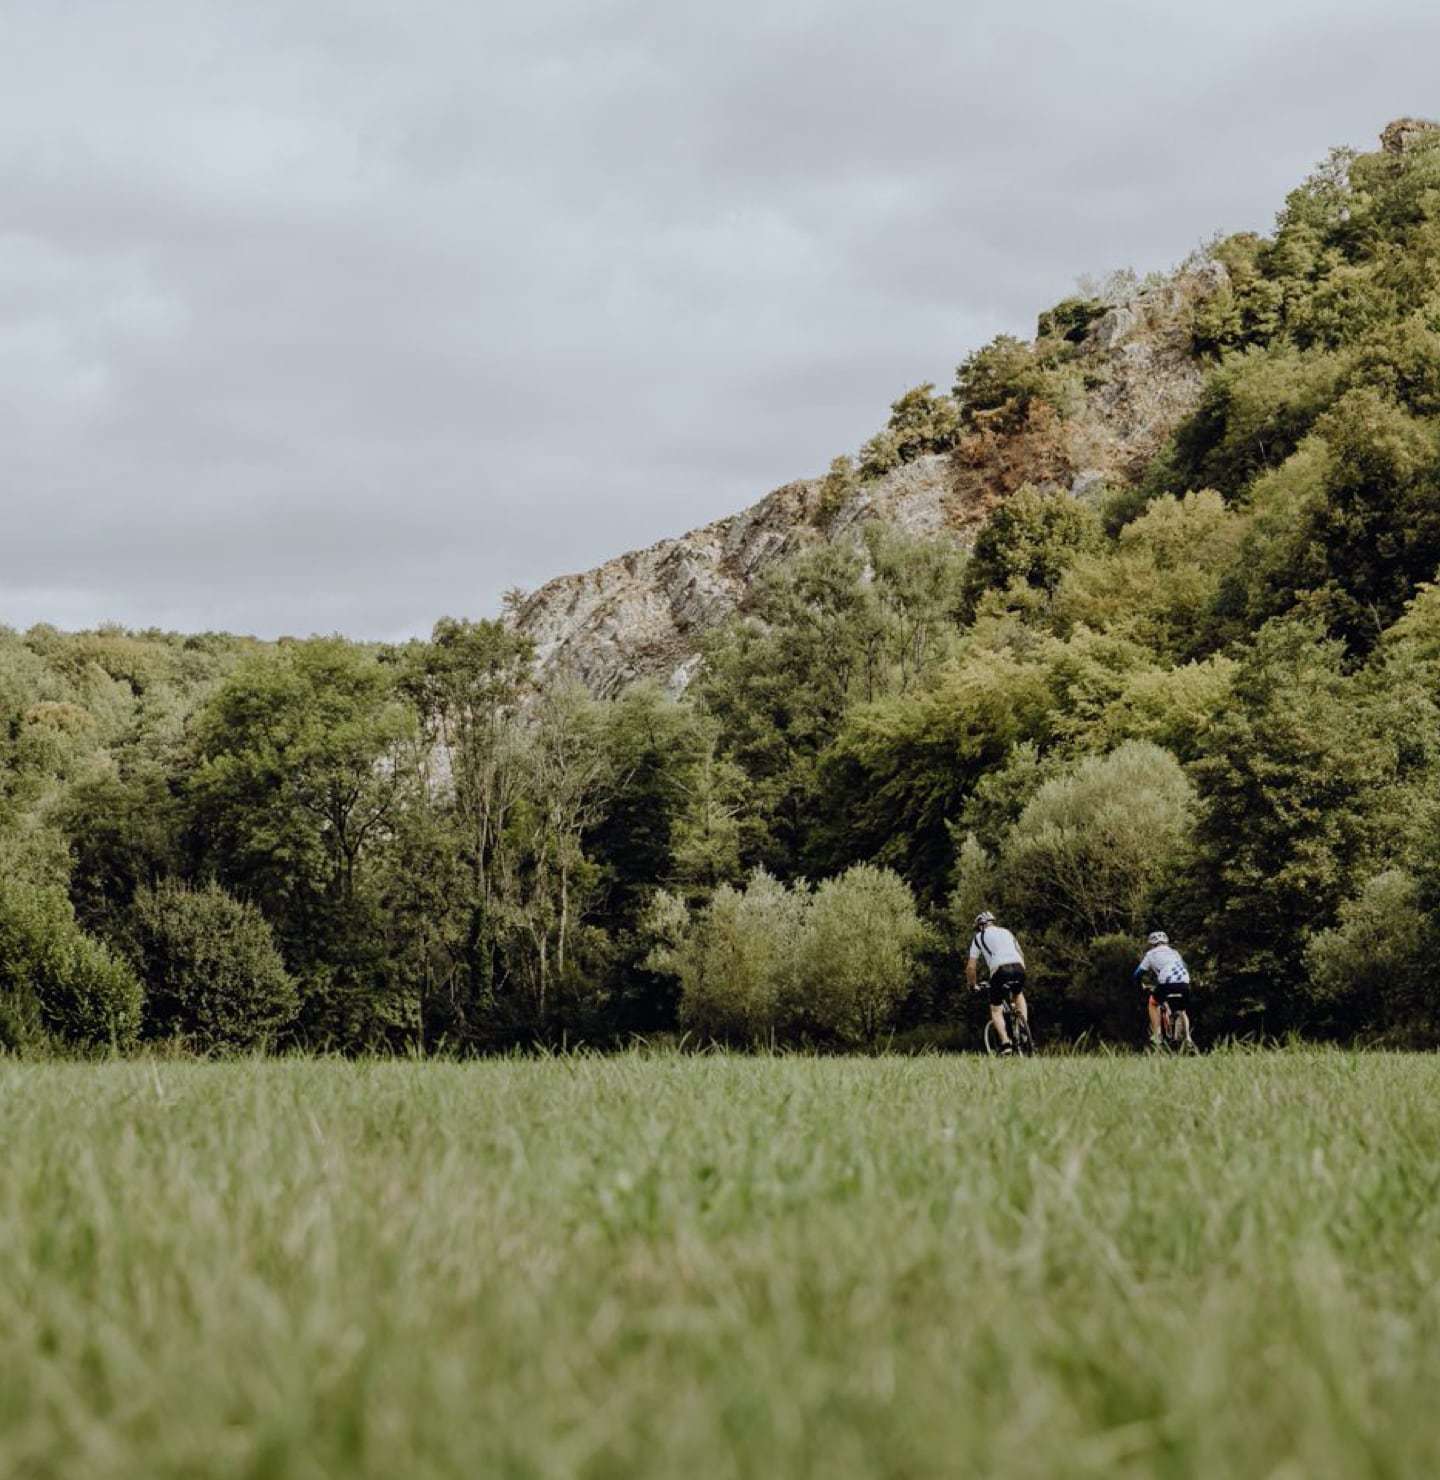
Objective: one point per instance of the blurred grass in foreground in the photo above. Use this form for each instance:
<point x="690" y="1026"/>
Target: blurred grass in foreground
<point x="653" y="1266"/>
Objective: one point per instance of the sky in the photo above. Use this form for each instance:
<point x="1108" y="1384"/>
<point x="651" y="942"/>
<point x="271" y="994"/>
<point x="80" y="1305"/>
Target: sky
<point x="339" y="315"/>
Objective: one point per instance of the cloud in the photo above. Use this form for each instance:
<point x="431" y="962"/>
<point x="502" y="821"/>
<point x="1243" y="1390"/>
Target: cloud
<point x="346" y="315"/>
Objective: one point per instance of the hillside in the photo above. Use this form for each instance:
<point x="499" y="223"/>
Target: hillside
<point x="642" y="615"/>
<point x="1135" y="627"/>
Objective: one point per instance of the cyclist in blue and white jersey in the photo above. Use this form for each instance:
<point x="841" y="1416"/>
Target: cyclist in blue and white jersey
<point x="1163" y="971"/>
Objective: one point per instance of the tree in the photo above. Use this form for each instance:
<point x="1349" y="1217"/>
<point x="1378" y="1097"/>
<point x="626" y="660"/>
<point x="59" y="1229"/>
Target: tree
<point x="1158" y="583"/>
<point x="1304" y="789"/>
<point x="466" y="686"/>
<point x="1373" y="970"/>
<point x="857" y="954"/>
<point x="211" y="971"/>
<point x="1030" y="540"/>
<point x="737" y="959"/>
<point x="57" y="981"/>
<point x="545" y="879"/>
<point x="300" y="773"/>
<point x="1093" y="848"/>
<point x="999" y="386"/>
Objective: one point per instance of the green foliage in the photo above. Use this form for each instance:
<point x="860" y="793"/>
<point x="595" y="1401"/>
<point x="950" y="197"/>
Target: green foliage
<point x="857" y="954"/>
<point x="1159" y="583"/>
<point x="1254" y="412"/>
<point x="1093" y="848"/>
<point x="1030" y="540"/>
<point x="211" y="971"/>
<point x="738" y="959"/>
<point x="1305" y="786"/>
<point x="1378" y="527"/>
<point x="1070" y="319"/>
<point x="767" y="963"/>
<point x="835" y="487"/>
<point x="57" y="981"/>
<point x="820" y="638"/>
<point x="998" y="386"/>
<point x="903" y="767"/>
<point x="299" y="775"/>
<point x="1248" y="308"/>
<point x="1375" y="968"/>
<point x="920" y="422"/>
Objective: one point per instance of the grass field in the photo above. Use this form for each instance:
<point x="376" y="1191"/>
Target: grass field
<point x="721" y="1266"/>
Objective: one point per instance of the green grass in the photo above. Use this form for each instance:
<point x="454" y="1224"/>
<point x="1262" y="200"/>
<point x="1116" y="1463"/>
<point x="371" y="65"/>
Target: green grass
<point x="715" y="1267"/>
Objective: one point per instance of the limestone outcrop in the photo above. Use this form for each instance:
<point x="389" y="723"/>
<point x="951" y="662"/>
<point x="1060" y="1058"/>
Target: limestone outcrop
<point x="643" y="614"/>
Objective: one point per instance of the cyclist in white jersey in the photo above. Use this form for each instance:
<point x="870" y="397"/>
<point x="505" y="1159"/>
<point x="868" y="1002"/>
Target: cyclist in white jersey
<point x="1162" y="970"/>
<point x="1005" y="966"/>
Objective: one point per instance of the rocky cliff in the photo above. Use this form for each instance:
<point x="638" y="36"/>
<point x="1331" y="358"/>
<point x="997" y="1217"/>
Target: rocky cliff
<point x="643" y="614"/>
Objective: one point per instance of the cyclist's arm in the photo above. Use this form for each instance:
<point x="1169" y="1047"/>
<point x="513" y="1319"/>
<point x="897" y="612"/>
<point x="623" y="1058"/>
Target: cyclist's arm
<point x="970" y="973"/>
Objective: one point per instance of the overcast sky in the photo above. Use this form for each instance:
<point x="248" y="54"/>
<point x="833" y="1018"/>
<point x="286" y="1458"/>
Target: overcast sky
<point x="340" y="315"/>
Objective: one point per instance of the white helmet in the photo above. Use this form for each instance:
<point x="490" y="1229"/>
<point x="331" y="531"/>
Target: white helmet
<point x="1157" y="938"/>
<point x="983" y="919"/>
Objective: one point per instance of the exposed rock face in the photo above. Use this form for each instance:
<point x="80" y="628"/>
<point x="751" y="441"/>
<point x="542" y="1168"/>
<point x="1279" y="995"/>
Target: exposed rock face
<point x="1405" y="133"/>
<point x="643" y="615"/>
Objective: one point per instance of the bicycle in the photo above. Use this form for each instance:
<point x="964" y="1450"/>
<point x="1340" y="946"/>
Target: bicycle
<point x="1175" y="1025"/>
<point x="1016" y="1028"/>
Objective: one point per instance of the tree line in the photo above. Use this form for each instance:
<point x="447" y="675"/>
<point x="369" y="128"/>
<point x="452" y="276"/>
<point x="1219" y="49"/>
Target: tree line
<point x="1202" y="698"/>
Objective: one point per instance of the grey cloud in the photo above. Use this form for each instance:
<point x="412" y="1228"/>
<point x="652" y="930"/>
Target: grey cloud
<point x="346" y="315"/>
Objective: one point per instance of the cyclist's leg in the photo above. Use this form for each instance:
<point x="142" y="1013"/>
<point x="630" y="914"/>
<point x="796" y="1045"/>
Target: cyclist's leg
<point x="997" y="1011"/>
<point x="997" y="1016"/>
<point x="1020" y="1006"/>
<point x="1181" y="1008"/>
<point x="1153" y="1008"/>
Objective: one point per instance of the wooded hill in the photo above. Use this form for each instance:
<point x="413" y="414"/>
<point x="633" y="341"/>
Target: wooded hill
<point x="1196" y="688"/>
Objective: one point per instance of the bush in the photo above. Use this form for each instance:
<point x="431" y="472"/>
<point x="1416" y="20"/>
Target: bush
<point x="1031" y="539"/>
<point x="1374" y="969"/>
<point x="1070" y="319"/>
<point x="211" y="970"/>
<point x="920" y="422"/>
<point x="999" y="384"/>
<point x="55" y="980"/>
<point x="1093" y="847"/>
<point x="858" y="953"/>
<point x="736" y="959"/>
<point x="1102" y="996"/>
<point x="835" y="487"/>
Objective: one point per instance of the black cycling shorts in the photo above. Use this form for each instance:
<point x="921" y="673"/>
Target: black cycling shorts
<point x="1004" y="981"/>
<point x="1177" y="995"/>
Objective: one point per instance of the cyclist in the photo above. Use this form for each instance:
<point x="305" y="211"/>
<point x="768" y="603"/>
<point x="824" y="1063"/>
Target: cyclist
<point x="1163" y="972"/>
<point x="1005" y="966"/>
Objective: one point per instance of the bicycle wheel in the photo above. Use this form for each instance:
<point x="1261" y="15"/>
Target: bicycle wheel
<point x="992" y="1039"/>
<point x="1020" y="1034"/>
<point x="1184" y="1043"/>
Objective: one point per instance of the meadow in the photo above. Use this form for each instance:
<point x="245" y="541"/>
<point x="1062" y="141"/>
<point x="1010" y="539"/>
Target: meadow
<point x="721" y="1266"/>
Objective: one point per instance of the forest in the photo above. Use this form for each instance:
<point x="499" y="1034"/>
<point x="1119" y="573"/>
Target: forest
<point x="1205" y="698"/>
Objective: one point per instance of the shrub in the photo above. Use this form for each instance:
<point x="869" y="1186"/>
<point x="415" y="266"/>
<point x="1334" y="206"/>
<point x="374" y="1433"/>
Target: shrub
<point x="1102" y="995"/>
<point x="211" y="970"/>
<point x="835" y="487"/>
<point x="55" y="980"/>
<point x="920" y="422"/>
<point x="1374" y="969"/>
<point x="923" y="422"/>
<point x="1030" y="539"/>
<point x="1093" y="847"/>
<point x="1070" y="319"/>
<point x="858" y="953"/>
<point x="999" y="384"/>
<point x="736" y="959"/>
